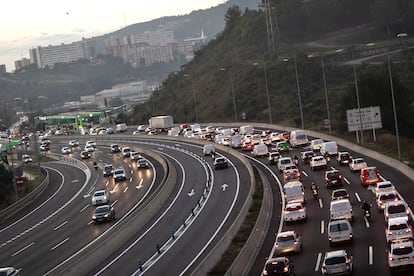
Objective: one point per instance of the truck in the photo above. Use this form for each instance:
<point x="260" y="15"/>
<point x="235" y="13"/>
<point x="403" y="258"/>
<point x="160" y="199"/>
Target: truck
<point x="161" y="123"/>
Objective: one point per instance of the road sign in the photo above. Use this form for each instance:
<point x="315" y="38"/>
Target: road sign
<point x="367" y="118"/>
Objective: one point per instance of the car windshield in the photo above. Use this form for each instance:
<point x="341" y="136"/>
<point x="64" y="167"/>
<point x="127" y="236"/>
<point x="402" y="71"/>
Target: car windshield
<point x="285" y="238"/>
<point x="399" y="226"/>
<point x="344" y="156"/>
<point x="340" y="193"/>
<point x="338" y="227"/>
<point x="333" y="174"/>
<point x="99" y="193"/>
<point x="102" y="209"/>
<point x="358" y="161"/>
<point x="275" y="266"/>
<point x="294" y="208"/>
<point x="388" y="197"/>
<point x="402" y="250"/>
<point x="385" y="186"/>
<point x="335" y="260"/>
<point x="285" y="161"/>
<point x="393" y="209"/>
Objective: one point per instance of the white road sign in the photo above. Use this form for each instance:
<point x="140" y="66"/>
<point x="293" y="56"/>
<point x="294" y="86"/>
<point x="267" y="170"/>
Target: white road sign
<point x="367" y="117"/>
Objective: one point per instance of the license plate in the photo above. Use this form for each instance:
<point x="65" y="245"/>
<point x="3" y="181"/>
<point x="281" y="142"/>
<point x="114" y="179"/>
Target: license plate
<point x="403" y="259"/>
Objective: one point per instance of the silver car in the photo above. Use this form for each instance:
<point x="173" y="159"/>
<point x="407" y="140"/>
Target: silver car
<point x="288" y="241"/>
<point x="337" y="262"/>
<point x="100" y="197"/>
<point x="294" y="212"/>
<point x="398" y="229"/>
<point x="339" y="231"/>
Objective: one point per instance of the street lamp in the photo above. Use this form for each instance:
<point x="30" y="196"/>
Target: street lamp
<point x="357" y="98"/>
<point x="194" y="97"/>
<point x="298" y="88"/>
<point x="232" y="91"/>
<point x="267" y="90"/>
<point x="326" y="93"/>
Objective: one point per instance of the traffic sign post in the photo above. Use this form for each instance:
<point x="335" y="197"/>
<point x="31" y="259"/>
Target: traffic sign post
<point x="370" y="118"/>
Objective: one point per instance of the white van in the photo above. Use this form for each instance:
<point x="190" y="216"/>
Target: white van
<point x="294" y="192"/>
<point x="282" y="162"/>
<point x="209" y="149"/>
<point x="298" y="138"/>
<point x="329" y="149"/>
<point x="246" y="130"/>
<point x="260" y="150"/>
<point x="341" y="209"/>
<point x="339" y="231"/>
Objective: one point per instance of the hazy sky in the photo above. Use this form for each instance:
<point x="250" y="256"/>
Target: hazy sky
<point x="27" y="23"/>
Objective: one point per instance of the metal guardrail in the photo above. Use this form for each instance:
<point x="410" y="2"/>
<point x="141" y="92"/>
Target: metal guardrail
<point x="26" y="200"/>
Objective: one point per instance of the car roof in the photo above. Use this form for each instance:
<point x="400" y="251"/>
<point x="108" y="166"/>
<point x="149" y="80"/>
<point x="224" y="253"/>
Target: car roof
<point x="340" y="201"/>
<point x="397" y="220"/>
<point x="406" y="243"/>
<point x="335" y="253"/>
<point x="339" y="221"/>
<point x="286" y="233"/>
<point x="293" y="204"/>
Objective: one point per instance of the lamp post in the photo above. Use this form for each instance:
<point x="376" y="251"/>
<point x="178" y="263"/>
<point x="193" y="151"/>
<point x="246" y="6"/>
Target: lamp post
<point x="357" y="98"/>
<point x="194" y="97"/>
<point x="326" y="93"/>
<point x="267" y="90"/>
<point x="232" y="91"/>
<point x="298" y="89"/>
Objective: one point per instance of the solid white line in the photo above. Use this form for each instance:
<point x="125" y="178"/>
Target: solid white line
<point x="371" y="255"/>
<point x="347" y="181"/>
<point x="322" y="226"/>
<point x="318" y="261"/>
<point x="63" y="223"/>
<point x="21" y="250"/>
<point x="59" y="244"/>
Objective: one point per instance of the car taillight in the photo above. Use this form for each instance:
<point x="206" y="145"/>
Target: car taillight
<point x="391" y="259"/>
<point x="287" y="212"/>
<point x="408" y="230"/>
<point x="276" y="244"/>
<point x="286" y="269"/>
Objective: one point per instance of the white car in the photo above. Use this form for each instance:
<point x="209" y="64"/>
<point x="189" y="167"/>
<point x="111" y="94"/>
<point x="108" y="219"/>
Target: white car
<point x="282" y="162"/>
<point x="340" y="231"/>
<point x="294" y="212"/>
<point x="135" y="155"/>
<point x="383" y="186"/>
<point x="119" y="174"/>
<point x="73" y="143"/>
<point x="126" y="152"/>
<point x="318" y="162"/>
<point x="288" y="241"/>
<point x="357" y="164"/>
<point x="337" y="262"/>
<point x="385" y="197"/>
<point x="341" y="209"/>
<point x="316" y="144"/>
<point x="66" y="150"/>
<point x="396" y="209"/>
<point x="398" y="229"/>
<point x="89" y="148"/>
<point x="91" y="143"/>
<point x="401" y="255"/>
<point x="26" y="158"/>
<point x="100" y="197"/>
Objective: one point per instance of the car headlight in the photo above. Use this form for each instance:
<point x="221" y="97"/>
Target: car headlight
<point x="106" y="215"/>
<point x="93" y="217"/>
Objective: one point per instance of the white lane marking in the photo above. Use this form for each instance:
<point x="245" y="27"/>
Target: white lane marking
<point x="126" y="189"/>
<point x="305" y="174"/>
<point x="140" y="184"/>
<point x="366" y="222"/>
<point x="371" y="255"/>
<point x="320" y="203"/>
<point x="130" y="180"/>
<point x="115" y="202"/>
<point x="224" y="187"/>
<point x="59" y="244"/>
<point x="357" y="197"/>
<point x="84" y="208"/>
<point x="318" y="262"/>
<point x="347" y="181"/>
<point x="191" y="193"/>
<point x="21" y="250"/>
<point x="75" y="180"/>
<point x="90" y="222"/>
<point x="60" y="225"/>
<point x="322" y="226"/>
<point x="107" y="183"/>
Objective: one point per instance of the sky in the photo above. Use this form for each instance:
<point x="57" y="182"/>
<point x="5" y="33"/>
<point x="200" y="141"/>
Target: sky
<point x="26" y="23"/>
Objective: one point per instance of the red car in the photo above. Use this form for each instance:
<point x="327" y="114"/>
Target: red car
<point x="370" y="176"/>
<point x="247" y="146"/>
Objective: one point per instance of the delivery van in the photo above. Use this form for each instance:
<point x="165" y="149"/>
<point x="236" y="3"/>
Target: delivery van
<point x="341" y="209"/>
<point x="294" y="192"/>
<point x="329" y="149"/>
<point x="298" y="138"/>
<point x="260" y="150"/>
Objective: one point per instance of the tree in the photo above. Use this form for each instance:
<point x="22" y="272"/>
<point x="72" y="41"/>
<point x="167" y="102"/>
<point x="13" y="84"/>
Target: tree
<point x="232" y="16"/>
<point x="6" y="183"/>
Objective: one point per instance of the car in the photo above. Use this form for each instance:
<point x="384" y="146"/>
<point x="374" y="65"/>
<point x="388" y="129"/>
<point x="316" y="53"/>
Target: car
<point x="341" y="209"/>
<point x="103" y="213"/>
<point x="397" y="209"/>
<point x="343" y="158"/>
<point x="142" y="163"/>
<point x="66" y="150"/>
<point x="333" y="178"/>
<point x="135" y="155"/>
<point x="294" y="212"/>
<point x="340" y="194"/>
<point x="339" y="231"/>
<point x="100" y="197"/>
<point x="126" y="152"/>
<point x="306" y="156"/>
<point x="110" y="130"/>
<point x="220" y="163"/>
<point x="141" y="128"/>
<point x="44" y="147"/>
<point x="279" y="266"/>
<point x="398" y="229"/>
<point x="26" y="158"/>
<point x="291" y="175"/>
<point x="119" y="174"/>
<point x="383" y="186"/>
<point x="337" y="262"/>
<point x="282" y="146"/>
<point x="385" y="197"/>
<point x="91" y="143"/>
<point x="9" y="271"/>
<point x="73" y="143"/>
<point x="89" y="148"/>
<point x="401" y="255"/>
<point x="370" y="176"/>
<point x="247" y="146"/>
<point x="108" y="170"/>
<point x="318" y="162"/>
<point x="356" y="164"/>
<point x="316" y="144"/>
<point x="273" y="156"/>
<point x="85" y="154"/>
<point x="288" y="241"/>
<point x="115" y="148"/>
<point x="282" y="162"/>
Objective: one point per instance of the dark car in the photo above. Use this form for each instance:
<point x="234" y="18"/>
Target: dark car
<point x="108" y="170"/>
<point x="220" y="163"/>
<point x="333" y="178"/>
<point x="103" y="213"/>
<point x="115" y="148"/>
<point x="279" y="266"/>
<point x="142" y="163"/>
<point x="343" y="158"/>
<point x="85" y="155"/>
